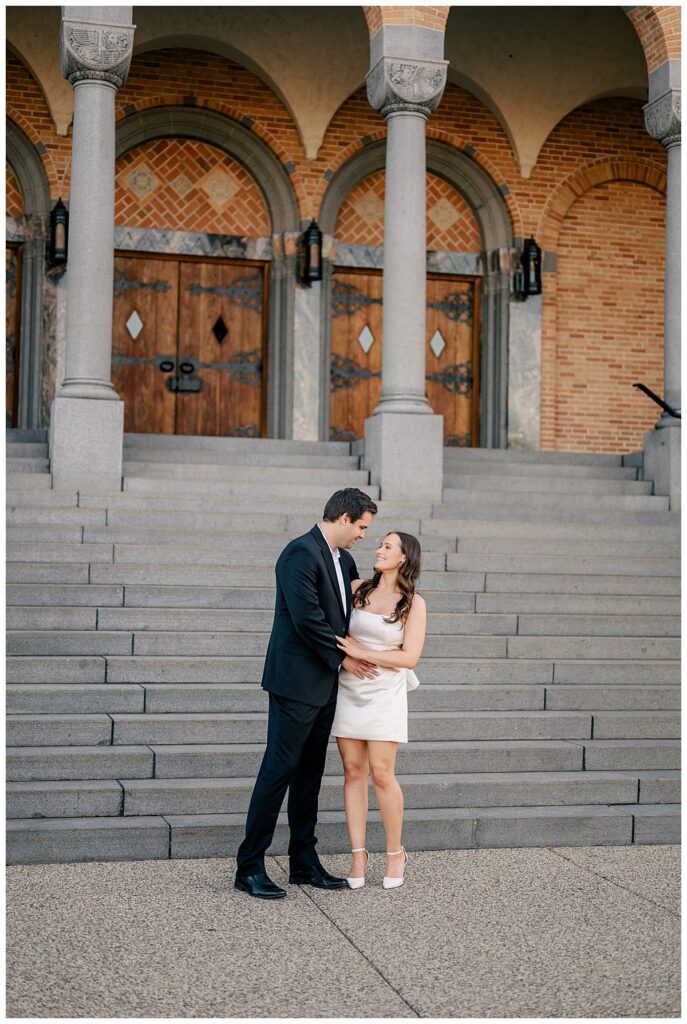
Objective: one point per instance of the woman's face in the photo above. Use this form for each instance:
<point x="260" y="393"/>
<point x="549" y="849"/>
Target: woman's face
<point x="389" y="555"/>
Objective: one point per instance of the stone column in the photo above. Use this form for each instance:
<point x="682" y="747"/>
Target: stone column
<point x="403" y="439"/>
<point x="86" y="425"/>
<point x="662" y="446"/>
<point x="663" y="122"/>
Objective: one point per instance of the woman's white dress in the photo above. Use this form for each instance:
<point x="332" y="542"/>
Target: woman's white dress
<point x="374" y="709"/>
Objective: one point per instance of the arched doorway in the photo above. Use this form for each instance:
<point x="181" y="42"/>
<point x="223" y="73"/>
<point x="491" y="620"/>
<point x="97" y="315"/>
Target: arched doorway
<point x="209" y="287"/>
<point x="467" y="315"/>
<point x="28" y="206"/>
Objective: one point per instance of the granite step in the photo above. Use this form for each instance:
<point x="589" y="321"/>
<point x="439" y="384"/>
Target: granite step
<point x="183" y="456"/>
<point x="266" y="490"/>
<point x="65" y="799"/>
<point x="469" y="470"/>
<point x="64" y="840"/>
<point x="523" y="483"/>
<point x="603" y="565"/>
<point x="226" y="446"/>
<point x="259" y="476"/>
<point x="422" y="791"/>
<point x="454" y="458"/>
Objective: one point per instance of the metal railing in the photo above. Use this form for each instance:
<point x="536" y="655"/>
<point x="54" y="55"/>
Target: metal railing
<point x="659" y="401"/>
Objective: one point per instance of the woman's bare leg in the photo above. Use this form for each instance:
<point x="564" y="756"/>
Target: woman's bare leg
<point x="356" y="772"/>
<point x="382" y="758"/>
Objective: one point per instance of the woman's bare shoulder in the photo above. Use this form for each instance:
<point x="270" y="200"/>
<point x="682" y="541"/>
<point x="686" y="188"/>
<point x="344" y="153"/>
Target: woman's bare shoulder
<point x="355" y="584"/>
<point x="419" y="602"/>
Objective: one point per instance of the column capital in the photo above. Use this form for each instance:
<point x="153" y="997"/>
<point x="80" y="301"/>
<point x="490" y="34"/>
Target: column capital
<point x="414" y="86"/>
<point x="95" y="52"/>
<point x="663" y="118"/>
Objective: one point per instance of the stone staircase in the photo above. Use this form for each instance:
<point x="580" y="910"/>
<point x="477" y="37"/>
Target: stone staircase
<point x="138" y="621"/>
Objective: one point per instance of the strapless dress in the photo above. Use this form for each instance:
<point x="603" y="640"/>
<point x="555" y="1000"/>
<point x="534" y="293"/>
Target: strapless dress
<point x="374" y="709"/>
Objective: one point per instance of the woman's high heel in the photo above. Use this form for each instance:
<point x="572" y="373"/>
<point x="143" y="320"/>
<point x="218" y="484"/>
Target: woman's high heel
<point x="358" y="883"/>
<point x="393" y="883"/>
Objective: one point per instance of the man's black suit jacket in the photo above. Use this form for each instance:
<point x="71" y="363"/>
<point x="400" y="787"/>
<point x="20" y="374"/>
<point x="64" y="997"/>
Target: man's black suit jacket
<point x="302" y="659"/>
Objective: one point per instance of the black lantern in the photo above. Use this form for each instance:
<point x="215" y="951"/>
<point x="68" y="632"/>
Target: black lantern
<point x="59" y="230"/>
<point x="310" y="255"/>
<point x="531" y="266"/>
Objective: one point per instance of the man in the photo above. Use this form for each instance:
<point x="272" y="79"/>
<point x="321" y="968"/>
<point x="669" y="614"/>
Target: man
<point x="313" y="606"/>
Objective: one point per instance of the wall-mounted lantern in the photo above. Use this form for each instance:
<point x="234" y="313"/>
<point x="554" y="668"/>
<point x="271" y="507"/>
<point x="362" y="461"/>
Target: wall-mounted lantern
<point x="309" y="256"/>
<point x="527" y="271"/>
<point x="59" y="232"/>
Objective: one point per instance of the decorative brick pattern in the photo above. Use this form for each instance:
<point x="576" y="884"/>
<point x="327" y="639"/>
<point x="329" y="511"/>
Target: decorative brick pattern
<point x="603" y="321"/>
<point x="14" y="201"/>
<point x="659" y="32"/>
<point x="426" y="17"/>
<point x="184" y="185"/>
<point x="451" y="224"/>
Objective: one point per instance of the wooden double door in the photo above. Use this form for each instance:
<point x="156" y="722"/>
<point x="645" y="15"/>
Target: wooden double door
<point x="188" y="354"/>
<point x="452" y="353"/>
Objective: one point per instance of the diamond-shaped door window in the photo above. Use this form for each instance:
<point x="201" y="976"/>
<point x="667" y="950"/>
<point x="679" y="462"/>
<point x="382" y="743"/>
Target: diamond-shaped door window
<point x="134" y="325"/>
<point x="220" y="330"/>
<point x="437" y="343"/>
<point x="366" y="339"/>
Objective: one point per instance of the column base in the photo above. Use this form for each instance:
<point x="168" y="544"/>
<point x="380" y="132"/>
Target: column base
<point x="405" y="456"/>
<point x="662" y="462"/>
<point x="85" y="444"/>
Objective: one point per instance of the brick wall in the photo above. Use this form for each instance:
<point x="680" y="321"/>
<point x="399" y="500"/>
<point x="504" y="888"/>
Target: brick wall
<point x="604" y="331"/>
<point x="451" y="224"/>
<point x="184" y="185"/>
<point x="14" y="201"/>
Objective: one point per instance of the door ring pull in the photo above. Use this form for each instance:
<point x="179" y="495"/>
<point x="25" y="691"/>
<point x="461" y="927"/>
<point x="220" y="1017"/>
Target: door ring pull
<point x="186" y="367"/>
<point x="166" y="366"/>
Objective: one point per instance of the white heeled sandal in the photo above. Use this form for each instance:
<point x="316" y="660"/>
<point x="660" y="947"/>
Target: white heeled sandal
<point x="358" y="883"/>
<point x="393" y="883"/>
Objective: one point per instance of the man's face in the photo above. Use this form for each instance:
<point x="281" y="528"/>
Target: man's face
<point x="349" y="532"/>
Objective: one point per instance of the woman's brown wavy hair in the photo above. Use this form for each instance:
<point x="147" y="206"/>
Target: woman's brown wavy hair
<point x="408" y="574"/>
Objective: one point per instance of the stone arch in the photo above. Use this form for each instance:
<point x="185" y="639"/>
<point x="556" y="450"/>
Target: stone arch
<point x="272" y="179"/>
<point x="28" y="167"/>
<point x="496" y="232"/>
<point x="658" y="30"/>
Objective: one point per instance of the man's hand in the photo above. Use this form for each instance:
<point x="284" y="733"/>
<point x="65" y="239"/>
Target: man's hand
<point x="361" y="669"/>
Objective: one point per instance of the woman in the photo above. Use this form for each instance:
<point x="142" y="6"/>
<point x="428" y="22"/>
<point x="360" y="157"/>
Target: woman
<point x="387" y="628"/>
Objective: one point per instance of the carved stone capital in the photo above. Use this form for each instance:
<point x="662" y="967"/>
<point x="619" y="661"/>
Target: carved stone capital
<point x="100" y="53"/>
<point x="663" y="118"/>
<point x="415" y="86"/>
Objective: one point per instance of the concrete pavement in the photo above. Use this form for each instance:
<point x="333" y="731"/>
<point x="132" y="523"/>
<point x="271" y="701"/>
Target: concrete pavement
<point x="543" y="932"/>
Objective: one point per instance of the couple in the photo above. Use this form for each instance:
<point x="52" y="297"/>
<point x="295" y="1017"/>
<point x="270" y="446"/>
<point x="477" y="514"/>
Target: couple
<point x="312" y="654"/>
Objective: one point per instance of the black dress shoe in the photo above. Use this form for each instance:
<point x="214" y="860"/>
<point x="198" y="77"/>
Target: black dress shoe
<point x="261" y="886"/>
<point x="317" y="876"/>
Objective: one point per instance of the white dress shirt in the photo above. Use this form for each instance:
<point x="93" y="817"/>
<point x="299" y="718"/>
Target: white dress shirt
<point x="336" y="555"/>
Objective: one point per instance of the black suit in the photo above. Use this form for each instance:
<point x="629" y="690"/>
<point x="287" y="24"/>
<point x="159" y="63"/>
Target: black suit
<point x="301" y="676"/>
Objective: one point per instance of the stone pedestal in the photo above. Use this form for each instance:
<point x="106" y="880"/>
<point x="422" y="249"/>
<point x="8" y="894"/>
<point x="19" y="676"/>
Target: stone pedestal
<point x="662" y="449"/>
<point x="404" y="455"/>
<point x="86" y="444"/>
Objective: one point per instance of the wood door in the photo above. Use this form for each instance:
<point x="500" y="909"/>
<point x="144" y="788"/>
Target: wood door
<point x="144" y="341"/>
<point x="13" y="255"/>
<point x="356" y="352"/>
<point x="221" y="347"/>
<point x="452" y="356"/>
<point x="188" y="345"/>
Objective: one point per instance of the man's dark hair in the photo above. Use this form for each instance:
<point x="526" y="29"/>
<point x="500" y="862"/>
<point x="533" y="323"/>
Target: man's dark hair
<point x="350" y="500"/>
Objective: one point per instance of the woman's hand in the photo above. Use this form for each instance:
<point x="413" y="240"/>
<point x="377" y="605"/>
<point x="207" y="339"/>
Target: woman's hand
<point x="352" y="649"/>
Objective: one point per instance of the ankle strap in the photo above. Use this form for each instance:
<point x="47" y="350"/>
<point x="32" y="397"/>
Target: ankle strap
<point x="361" y="849"/>
<point x="394" y="853"/>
